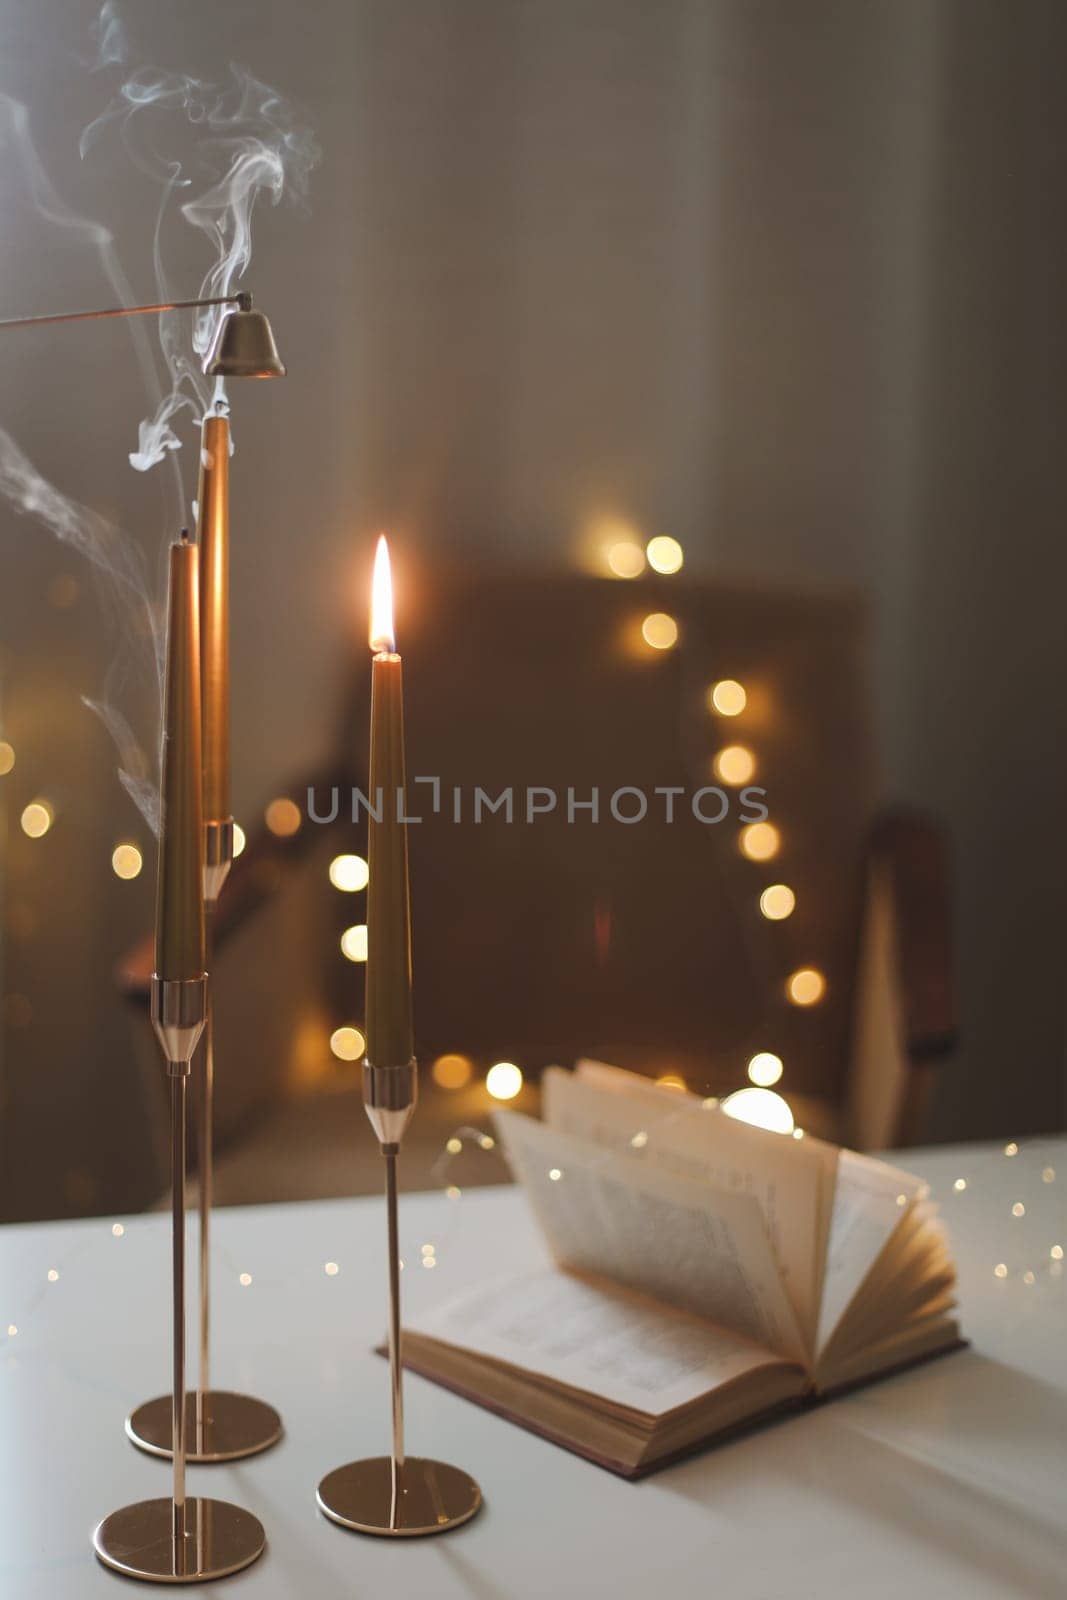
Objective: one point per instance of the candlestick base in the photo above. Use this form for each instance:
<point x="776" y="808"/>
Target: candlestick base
<point x="139" y="1541"/>
<point x="433" y="1497"/>
<point x="231" y="1426"/>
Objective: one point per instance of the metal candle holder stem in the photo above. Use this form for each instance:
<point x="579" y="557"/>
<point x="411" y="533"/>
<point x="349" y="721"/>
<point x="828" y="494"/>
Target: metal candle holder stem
<point x="178" y="1540"/>
<point x="397" y="1495"/>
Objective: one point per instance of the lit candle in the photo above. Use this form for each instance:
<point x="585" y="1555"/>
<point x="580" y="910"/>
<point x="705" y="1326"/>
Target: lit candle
<point x="179" y="894"/>
<point x="390" y="1039"/>
<point x="213" y="537"/>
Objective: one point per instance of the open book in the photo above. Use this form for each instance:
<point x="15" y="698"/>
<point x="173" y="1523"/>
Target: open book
<point x="707" y="1274"/>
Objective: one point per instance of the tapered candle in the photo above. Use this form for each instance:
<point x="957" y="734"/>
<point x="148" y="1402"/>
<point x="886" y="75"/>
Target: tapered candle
<point x="213" y="538"/>
<point x="390" y="1038"/>
<point x="180" y="890"/>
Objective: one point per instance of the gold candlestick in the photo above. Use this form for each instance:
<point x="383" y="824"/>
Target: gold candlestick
<point x="221" y="1425"/>
<point x="397" y="1495"/>
<point x="180" y="1540"/>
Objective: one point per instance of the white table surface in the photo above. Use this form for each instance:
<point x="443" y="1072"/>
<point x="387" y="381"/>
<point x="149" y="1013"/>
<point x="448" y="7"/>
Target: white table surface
<point x="949" y="1481"/>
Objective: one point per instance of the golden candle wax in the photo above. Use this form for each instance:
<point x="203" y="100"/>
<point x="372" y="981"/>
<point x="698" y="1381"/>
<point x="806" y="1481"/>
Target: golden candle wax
<point x="179" y="891"/>
<point x="390" y="1037"/>
<point x="213" y="537"/>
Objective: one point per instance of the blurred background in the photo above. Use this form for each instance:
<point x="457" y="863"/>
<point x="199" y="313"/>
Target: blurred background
<point x="774" y="285"/>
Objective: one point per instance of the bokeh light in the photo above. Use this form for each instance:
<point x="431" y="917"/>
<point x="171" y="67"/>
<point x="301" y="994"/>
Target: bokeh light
<point x="625" y="559"/>
<point x="664" y="554"/>
<point x="354" y="942"/>
<point x="503" y="1080"/>
<point x="659" y="630"/>
<point x="7" y="757"/>
<point x="126" y="861"/>
<point x="282" y="817"/>
<point x="727" y="697"/>
<point x="37" y="818"/>
<point x="806" y="986"/>
<point x="735" y="764"/>
<point x="759" y="841"/>
<point x="347" y="1043"/>
<point x="672" y="1080"/>
<point x="764" y="1069"/>
<point x="451" y="1071"/>
<point x="349" y="873"/>
<point x="239" y="840"/>
<point x="761" y="1108"/>
<point x="777" y="902"/>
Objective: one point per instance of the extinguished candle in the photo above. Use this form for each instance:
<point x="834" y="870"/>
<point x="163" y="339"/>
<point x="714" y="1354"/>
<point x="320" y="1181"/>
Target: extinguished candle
<point x="179" y="889"/>
<point x="390" y="1038"/>
<point x="213" y="538"/>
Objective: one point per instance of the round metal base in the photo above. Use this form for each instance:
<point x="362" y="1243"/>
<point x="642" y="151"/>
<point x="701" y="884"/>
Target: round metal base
<point x="234" y="1425"/>
<point x="139" y="1542"/>
<point x="433" y="1497"/>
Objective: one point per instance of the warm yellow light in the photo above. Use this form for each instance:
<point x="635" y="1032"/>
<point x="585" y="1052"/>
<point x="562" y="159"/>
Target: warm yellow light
<point x="1048" y="1174"/>
<point x="1018" y="1209"/>
<point x="12" y="1330"/>
<point x="117" y="1229"/>
<point x="764" y="1069"/>
<point x="555" y="1174"/>
<point x="349" y="873"/>
<point x="672" y="1080"/>
<point x="1056" y="1252"/>
<point x="1000" y="1270"/>
<point x="382" y="637"/>
<point x="735" y="764"/>
<point x="1028" y="1277"/>
<point x="762" y="1108"/>
<point x="331" y="1269"/>
<point x="503" y="1080"/>
<point x="959" y="1185"/>
<point x="451" y="1071"/>
<point x="347" y="1043"/>
<point x="244" y="1279"/>
<point x="126" y="861"/>
<point x="454" y="1145"/>
<point x="777" y="902"/>
<point x="659" y="630"/>
<point x="283" y="818"/>
<point x="354" y="942"/>
<point x="37" y="819"/>
<point x="806" y="986"/>
<point x="640" y="1139"/>
<point x="53" y="1275"/>
<point x="1011" y="1149"/>
<point x="664" y="554"/>
<point x="759" y="841"/>
<point x="727" y="697"/>
<point x="7" y="758"/>
<point x="239" y="840"/>
<point x="625" y="559"/>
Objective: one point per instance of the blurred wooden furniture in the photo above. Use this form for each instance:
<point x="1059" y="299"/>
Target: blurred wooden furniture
<point x="642" y="943"/>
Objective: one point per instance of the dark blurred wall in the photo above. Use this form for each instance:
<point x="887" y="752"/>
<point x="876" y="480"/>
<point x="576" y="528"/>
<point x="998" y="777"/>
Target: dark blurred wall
<point x="776" y="278"/>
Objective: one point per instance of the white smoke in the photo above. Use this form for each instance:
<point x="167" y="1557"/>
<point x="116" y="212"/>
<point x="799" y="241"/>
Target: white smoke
<point x="217" y="147"/>
<point x="246" y="141"/>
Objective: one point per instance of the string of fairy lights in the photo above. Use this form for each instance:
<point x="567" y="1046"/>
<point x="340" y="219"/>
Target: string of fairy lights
<point x="734" y="764"/>
<point x="1039" y="1254"/>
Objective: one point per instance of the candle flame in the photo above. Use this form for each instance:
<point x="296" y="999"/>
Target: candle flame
<point x="382" y="638"/>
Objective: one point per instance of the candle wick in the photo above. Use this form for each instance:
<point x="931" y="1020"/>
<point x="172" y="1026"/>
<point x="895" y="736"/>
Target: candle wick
<point x="184" y="536"/>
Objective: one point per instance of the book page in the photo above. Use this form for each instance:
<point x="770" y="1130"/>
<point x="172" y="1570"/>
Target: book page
<point x="591" y="1336"/>
<point x="792" y="1181"/>
<point x="699" y="1249"/>
<point x="867" y="1212"/>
